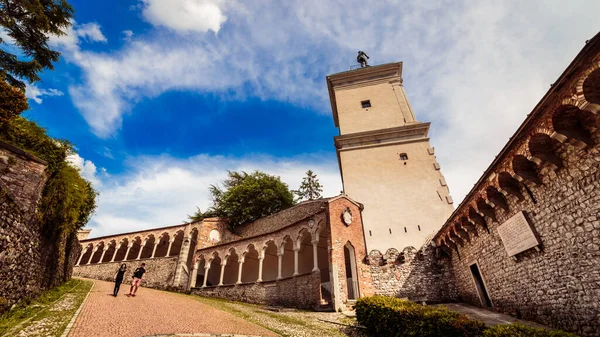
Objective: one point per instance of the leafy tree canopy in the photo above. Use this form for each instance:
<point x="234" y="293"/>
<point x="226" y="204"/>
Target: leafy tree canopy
<point x="310" y="188"/>
<point x="245" y="198"/>
<point x="68" y="200"/>
<point x="29" y="24"/>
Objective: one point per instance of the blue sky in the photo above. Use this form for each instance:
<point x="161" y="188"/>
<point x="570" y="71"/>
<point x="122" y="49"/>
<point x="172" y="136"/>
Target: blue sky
<point x="161" y="97"/>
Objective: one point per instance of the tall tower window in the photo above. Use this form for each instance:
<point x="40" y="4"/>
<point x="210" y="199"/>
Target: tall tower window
<point x="403" y="156"/>
<point x="365" y="104"/>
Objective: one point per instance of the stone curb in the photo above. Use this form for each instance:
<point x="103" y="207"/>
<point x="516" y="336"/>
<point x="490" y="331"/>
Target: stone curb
<point x="74" y="318"/>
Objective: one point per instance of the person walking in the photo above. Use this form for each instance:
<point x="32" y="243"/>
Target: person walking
<point x="137" y="279"/>
<point x="119" y="278"/>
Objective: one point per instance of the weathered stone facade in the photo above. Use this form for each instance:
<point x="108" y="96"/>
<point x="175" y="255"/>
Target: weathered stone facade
<point x="418" y="275"/>
<point x="29" y="262"/>
<point x="550" y="171"/>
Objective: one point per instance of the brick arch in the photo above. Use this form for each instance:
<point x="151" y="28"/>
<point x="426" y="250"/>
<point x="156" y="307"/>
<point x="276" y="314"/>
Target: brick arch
<point x="526" y="169"/>
<point x="588" y="89"/>
<point x="543" y="148"/>
<point x="496" y="197"/>
<point x="572" y="122"/>
<point x="485" y="208"/>
<point x="509" y="184"/>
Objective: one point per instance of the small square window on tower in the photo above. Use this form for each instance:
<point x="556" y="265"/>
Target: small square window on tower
<point x="365" y="104"/>
<point x="403" y="156"/>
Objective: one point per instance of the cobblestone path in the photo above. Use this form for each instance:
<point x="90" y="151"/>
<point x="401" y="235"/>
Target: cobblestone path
<point x="154" y="312"/>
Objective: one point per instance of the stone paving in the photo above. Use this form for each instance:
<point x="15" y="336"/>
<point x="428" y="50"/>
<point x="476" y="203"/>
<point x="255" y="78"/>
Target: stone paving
<point x="154" y="312"/>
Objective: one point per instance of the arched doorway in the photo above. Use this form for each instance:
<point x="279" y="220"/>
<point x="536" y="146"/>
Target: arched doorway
<point x="351" y="279"/>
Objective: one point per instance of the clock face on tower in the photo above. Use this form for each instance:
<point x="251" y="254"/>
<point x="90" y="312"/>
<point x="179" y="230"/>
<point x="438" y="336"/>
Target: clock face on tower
<point x="347" y="217"/>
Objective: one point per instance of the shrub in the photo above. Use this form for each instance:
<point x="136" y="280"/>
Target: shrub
<point x="518" y="330"/>
<point x="388" y="316"/>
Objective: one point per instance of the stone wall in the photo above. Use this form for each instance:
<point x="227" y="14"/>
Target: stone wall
<point x="29" y="261"/>
<point x="302" y="291"/>
<point x="418" y="275"/>
<point x="560" y="285"/>
<point x="160" y="272"/>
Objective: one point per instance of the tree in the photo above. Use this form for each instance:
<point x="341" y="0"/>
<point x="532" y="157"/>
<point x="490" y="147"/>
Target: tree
<point x="310" y="188"/>
<point x="247" y="197"/>
<point x="29" y="24"/>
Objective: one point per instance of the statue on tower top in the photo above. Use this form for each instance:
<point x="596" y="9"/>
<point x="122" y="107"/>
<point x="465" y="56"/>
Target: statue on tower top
<point x="362" y="59"/>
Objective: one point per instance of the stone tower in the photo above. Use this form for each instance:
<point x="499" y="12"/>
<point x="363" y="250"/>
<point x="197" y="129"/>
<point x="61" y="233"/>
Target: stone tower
<point x="385" y="158"/>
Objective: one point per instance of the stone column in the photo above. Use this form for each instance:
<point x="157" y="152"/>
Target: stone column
<point x="91" y="256"/>
<point x="279" y="265"/>
<point x="260" y="268"/>
<point x="154" y="250"/>
<point x="170" y="244"/>
<point x="115" y="253"/>
<point x="206" y="269"/>
<point x="296" y="250"/>
<point x="241" y="265"/>
<point x="127" y="252"/>
<point x="222" y="272"/>
<point x="194" y="276"/>
<point x="102" y="256"/>
<point x="315" y="259"/>
<point x="81" y="256"/>
<point x="141" y="249"/>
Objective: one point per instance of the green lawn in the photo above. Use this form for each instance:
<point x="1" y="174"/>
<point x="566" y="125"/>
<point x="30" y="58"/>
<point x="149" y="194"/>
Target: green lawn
<point x="47" y="315"/>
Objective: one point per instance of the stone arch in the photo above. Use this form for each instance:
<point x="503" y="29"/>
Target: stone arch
<point x="121" y="249"/>
<point x="591" y="86"/>
<point x="323" y="235"/>
<point x="286" y="249"/>
<point x="305" y="252"/>
<point x="270" y="261"/>
<point x="478" y="220"/>
<point x="199" y="267"/>
<point x="496" y="197"/>
<point x="214" y="270"/>
<point x="526" y="169"/>
<point x="136" y="245"/>
<point x="112" y="246"/>
<point x="148" y="246"/>
<point x="177" y="243"/>
<point x="541" y="146"/>
<point x="98" y="252"/>
<point x="509" y="184"/>
<point x="485" y="209"/>
<point x="86" y="253"/>
<point x="163" y="245"/>
<point x="230" y="273"/>
<point x="250" y="267"/>
<point x="572" y="122"/>
<point x="352" y="290"/>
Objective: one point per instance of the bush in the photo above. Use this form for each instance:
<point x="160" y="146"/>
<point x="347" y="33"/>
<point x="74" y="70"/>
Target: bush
<point x="388" y="316"/>
<point x="518" y="330"/>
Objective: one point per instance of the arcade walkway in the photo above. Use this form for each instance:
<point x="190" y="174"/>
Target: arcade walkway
<point x="153" y="312"/>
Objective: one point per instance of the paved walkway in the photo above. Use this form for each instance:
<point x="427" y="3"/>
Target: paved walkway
<point x="154" y="312"/>
<point x="489" y="317"/>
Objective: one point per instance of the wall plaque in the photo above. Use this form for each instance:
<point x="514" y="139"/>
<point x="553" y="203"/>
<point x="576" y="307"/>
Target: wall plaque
<point x="517" y="235"/>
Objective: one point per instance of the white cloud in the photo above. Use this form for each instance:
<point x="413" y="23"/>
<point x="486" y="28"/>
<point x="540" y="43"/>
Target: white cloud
<point x="160" y="191"/>
<point x="76" y="33"/>
<point x="474" y="69"/>
<point x="35" y="93"/>
<point x="87" y="168"/>
<point x="185" y="15"/>
<point x="127" y="35"/>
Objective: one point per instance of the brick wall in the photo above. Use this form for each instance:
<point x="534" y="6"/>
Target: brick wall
<point x="418" y="275"/>
<point x="160" y="272"/>
<point x="302" y="291"/>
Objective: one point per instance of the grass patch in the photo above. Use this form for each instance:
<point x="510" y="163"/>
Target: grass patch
<point x="49" y="313"/>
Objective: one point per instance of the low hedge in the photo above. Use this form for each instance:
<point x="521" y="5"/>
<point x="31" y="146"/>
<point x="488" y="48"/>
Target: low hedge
<point x="518" y="330"/>
<point x="389" y="316"/>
